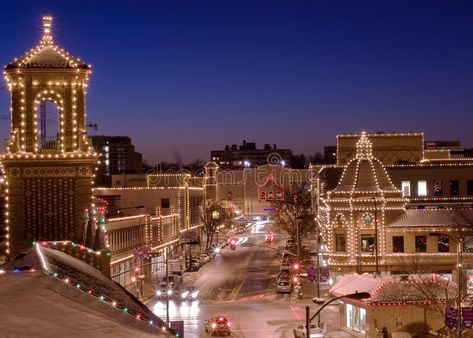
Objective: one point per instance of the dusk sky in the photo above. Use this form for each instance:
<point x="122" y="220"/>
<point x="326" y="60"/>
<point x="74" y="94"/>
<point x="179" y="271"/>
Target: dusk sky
<point x="191" y="76"/>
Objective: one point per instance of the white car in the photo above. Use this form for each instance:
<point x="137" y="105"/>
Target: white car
<point x="315" y="331"/>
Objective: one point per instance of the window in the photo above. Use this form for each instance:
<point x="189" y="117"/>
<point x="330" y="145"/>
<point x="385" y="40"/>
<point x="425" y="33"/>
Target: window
<point x="278" y="195"/>
<point x="398" y="244"/>
<point x="270" y="196"/>
<point x="421" y="243"/>
<point x="469" y="187"/>
<point x="262" y="196"/>
<point x="164" y="203"/>
<point x="340" y="244"/>
<point x="454" y="188"/>
<point x="422" y="188"/>
<point x="367" y="220"/>
<point x="468" y="244"/>
<point x="355" y="318"/>
<point x="367" y="243"/>
<point x="406" y="188"/>
<point x="443" y="244"/>
<point x="438" y="188"/>
<point x="340" y="219"/>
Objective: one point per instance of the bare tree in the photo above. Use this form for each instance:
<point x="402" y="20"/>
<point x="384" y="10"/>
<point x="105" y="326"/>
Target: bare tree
<point x="295" y="205"/>
<point x="213" y="216"/>
<point x="424" y="286"/>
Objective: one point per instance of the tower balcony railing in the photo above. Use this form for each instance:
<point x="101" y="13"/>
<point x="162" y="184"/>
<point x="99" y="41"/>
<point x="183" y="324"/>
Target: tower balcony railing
<point x="49" y="144"/>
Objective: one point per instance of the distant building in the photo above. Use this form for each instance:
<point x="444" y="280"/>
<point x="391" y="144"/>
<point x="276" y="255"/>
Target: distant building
<point x="330" y="155"/>
<point x="248" y="156"/>
<point x="118" y="157"/>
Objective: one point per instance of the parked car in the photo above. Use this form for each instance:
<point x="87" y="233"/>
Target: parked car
<point x="218" y="325"/>
<point x="204" y="258"/>
<point x="284" y="285"/>
<point x="194" y="265"/>
<point x="314" y="331"/>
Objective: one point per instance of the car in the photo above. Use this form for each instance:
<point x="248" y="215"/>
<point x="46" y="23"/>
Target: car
<point x="172" y="279"/>
<point x="283" y="274"/>
<point x="314" y="331"/>
<point x="285" y="267"/>
<point x="204" y="258"/>
<point x="165" y="290"/>
<point x="218" y="325"/>
<point x="189" y="293"/>
<point x="194" y="265"/>
<point x="283" y="285"/>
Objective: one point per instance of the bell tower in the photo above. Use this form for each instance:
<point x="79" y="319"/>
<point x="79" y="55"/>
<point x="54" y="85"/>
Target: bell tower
<point x="48" y="177"/>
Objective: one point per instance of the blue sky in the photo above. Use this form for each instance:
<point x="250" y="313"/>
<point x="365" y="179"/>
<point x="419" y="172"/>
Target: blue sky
<point x="190" y="76"/>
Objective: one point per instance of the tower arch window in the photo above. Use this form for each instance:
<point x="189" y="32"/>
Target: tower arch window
<point x="48" y="124"/>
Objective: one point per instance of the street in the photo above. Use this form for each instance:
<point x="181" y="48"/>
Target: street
<point x="240" y="284"/>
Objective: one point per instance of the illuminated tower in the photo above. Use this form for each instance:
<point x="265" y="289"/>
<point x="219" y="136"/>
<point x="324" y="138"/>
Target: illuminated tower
<point x="48" y="177"/>
<point x="210" y="182"/>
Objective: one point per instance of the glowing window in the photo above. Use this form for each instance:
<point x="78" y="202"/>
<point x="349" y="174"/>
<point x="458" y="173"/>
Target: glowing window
<point x="406" y="188"/>
<point x="422" y="188"/>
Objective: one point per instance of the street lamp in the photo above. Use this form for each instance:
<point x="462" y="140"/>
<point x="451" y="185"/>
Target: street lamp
<point x="308" y="319"/>
<point x="167" y="275"/>
<point x="459" y="244"/>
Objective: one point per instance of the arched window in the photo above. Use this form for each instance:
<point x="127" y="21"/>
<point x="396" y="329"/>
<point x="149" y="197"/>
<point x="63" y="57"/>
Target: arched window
<point x="367" y="220"/>
<point x="262" y="196"/>
<point x="340" y="221"/>
<point x="48" y="125"/>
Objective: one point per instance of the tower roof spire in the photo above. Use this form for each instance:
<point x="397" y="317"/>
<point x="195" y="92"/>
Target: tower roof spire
<point x="47" y="23"/>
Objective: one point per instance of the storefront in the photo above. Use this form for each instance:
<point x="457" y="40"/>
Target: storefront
<point x="355" y="318"/>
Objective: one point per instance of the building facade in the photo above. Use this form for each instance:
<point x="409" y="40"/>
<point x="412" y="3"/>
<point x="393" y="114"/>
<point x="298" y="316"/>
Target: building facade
<point x="251" y="191"/>
<point x="47" y="178"/>
<point x="248" y="156"/>
<point x="118" y="156"/>
<point x="402" y="216"/>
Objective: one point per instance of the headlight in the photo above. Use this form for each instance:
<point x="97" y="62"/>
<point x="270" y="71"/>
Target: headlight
<point x="158" y="293"/>
<point x="184" y="294"/>
<point x="214" y="325"/>
<point x="194" y="294"/>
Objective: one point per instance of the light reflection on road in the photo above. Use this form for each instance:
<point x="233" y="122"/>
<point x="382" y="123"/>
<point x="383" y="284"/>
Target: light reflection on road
<point x="189" y="312"/>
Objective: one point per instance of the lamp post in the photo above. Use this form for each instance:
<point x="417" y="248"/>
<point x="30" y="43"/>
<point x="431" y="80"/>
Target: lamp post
<point x="459" y="244"/>
<point x="167" y="275"/>
<point x="376" y="237"/>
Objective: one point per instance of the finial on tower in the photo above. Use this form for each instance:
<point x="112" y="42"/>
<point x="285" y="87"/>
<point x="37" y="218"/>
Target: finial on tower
<point x="364" y="147"/>
<point x="47" y="23"/>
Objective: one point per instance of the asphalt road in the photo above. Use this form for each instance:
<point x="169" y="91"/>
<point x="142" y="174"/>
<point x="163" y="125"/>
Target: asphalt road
<point x="240" y="284"/>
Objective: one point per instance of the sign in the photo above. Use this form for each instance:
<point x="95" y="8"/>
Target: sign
<point x="467" y="317"/>
<point x="312" y="274"/>
<point x="451" y="317"/>
<point x="324" y="273"/>
<point x="270" y="209"/>
<point x="178" y="326"/>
